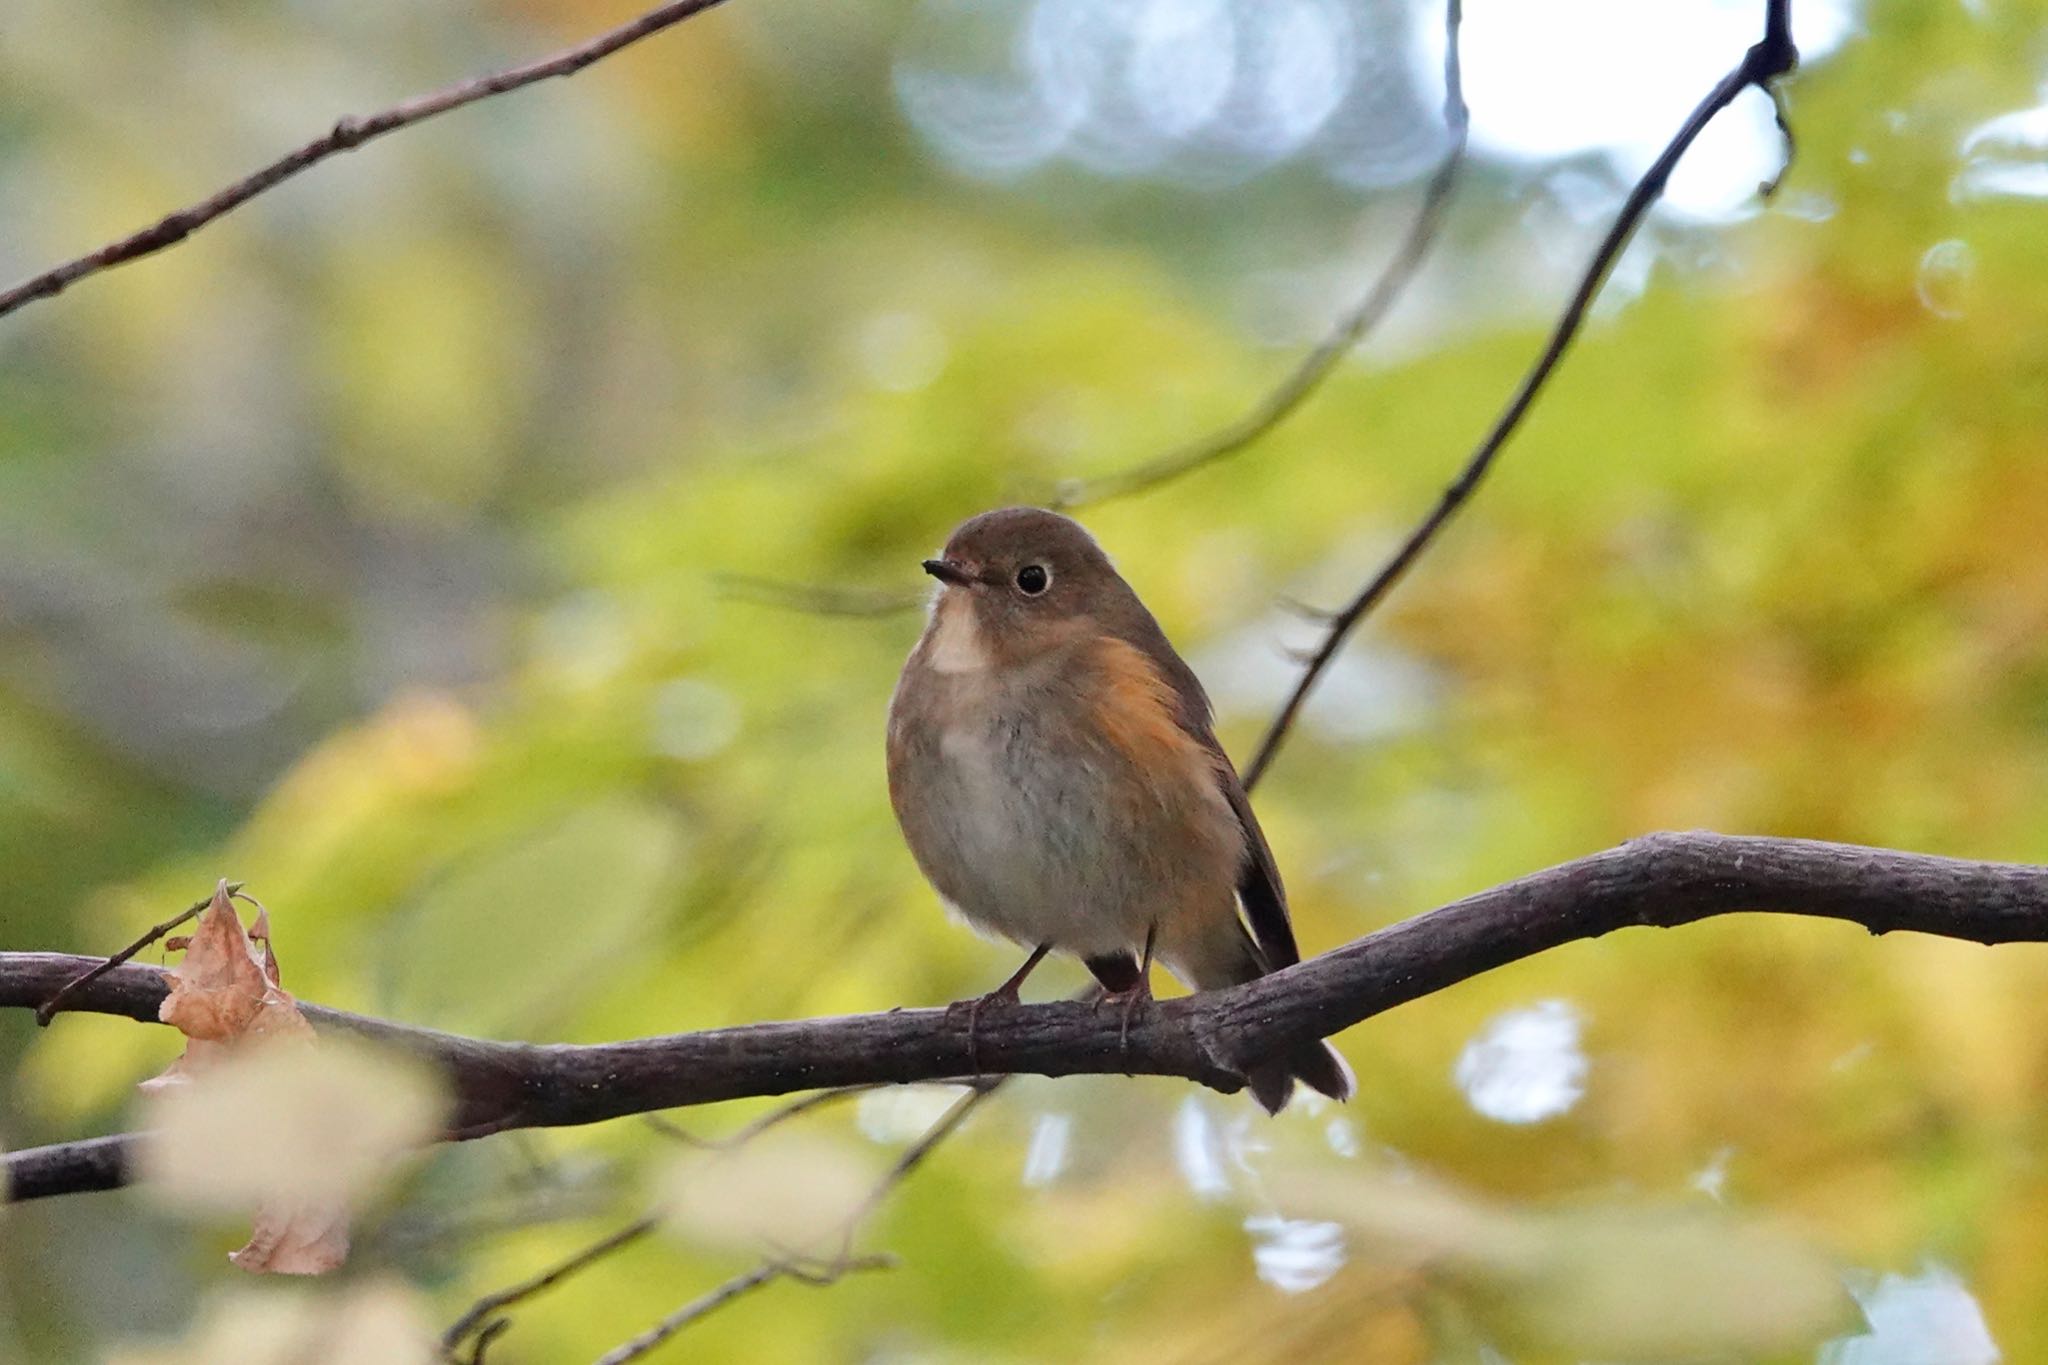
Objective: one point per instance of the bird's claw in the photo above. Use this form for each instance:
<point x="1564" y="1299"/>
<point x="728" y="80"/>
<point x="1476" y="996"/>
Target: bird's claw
<point x="1131" y="1002"/>
<point x="1002" y="997"/>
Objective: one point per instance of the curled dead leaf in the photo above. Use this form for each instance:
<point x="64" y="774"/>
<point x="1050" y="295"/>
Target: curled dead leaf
<point x="255" y="1114"/>
<point x="224" y="992"/>
<point x="309" y="1239"/>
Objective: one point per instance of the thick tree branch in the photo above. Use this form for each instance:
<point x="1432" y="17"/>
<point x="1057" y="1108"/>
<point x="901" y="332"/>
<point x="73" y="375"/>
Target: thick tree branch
<point x="1659" y="880"/>
<point x="346" y="135"/>
<point x="1768" y="59"/>
<point x="66" y="1168"/>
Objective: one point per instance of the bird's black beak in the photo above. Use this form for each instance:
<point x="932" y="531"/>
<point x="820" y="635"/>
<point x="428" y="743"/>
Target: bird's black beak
<point x="946" y="571"/>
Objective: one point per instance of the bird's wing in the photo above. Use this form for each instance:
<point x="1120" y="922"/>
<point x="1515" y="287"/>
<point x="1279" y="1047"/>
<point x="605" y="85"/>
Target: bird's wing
<point x="1258" y="878"/>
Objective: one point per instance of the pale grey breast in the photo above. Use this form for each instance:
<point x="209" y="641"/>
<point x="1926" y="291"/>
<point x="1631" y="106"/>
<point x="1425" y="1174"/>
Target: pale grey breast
<point x="1015" y="823"/>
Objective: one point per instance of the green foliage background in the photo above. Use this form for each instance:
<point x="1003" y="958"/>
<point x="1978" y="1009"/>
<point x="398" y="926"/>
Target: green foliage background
<point x="375" y="546"/>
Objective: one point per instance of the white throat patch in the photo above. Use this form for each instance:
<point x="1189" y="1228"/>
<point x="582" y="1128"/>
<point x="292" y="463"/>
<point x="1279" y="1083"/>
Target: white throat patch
<point x="956" y="645"/>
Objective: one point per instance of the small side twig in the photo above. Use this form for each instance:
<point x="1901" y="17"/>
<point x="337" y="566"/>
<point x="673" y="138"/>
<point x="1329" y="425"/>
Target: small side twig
<point x="915" y="1154"/>
<point x="736" y="1287"/>
<point x="1301" y="383"/>
<point x="1273" y="408"/>
<point x="803" y="1104"/>
<point x="482" y="1316"/>
<point x="801" y="1269"/>
<point x="1765" y="61"/>
<point x="485" y="1315"/>
<point x="494" y="1329"/>
<point x="47" y="1011"/>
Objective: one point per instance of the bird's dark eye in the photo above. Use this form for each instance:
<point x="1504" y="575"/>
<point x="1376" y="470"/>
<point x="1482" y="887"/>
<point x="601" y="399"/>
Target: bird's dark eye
<point x="1033" y="579"/>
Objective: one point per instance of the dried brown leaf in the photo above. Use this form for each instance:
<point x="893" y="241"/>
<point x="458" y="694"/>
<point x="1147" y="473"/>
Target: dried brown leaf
<point x="224" y="991"/>
<point x="259" y="932"/>
<point x="292" y="1132"/>
<point x="308" y="1239"/>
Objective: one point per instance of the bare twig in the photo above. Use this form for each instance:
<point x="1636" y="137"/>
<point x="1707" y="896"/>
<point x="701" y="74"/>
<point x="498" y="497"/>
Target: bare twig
<point x="345" y="135"/>
<point x="765" y="1273"/>
<point x="1763" y="63"/>
<point x="1274" y="407"/>
<point x="492" y="1331"/>
<point x="914" y="1156"/>
<point x="1301" y="383"/>
<point x="48" y="1009"/>
<point x="482" y="1316"/>
<point x="772" y="1119"/>
<point x="829" y="1270"/>
<point x="818" y="599"/>
<point x="1209" y="1037"/>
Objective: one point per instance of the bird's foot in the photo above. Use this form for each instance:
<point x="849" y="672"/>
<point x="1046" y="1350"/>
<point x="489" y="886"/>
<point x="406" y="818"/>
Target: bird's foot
<point x="1131" y="1002"/>
<point x="1003" y="997"/>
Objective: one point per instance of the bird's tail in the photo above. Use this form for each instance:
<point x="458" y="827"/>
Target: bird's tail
<point x="1229" y="958"/>
<point x="1316" y="1065"/>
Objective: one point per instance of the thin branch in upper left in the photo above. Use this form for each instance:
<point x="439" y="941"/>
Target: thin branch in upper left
<point x="346" y="135"/>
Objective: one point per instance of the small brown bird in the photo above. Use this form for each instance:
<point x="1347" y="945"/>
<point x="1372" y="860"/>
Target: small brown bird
<point x="1053" y="768"/>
